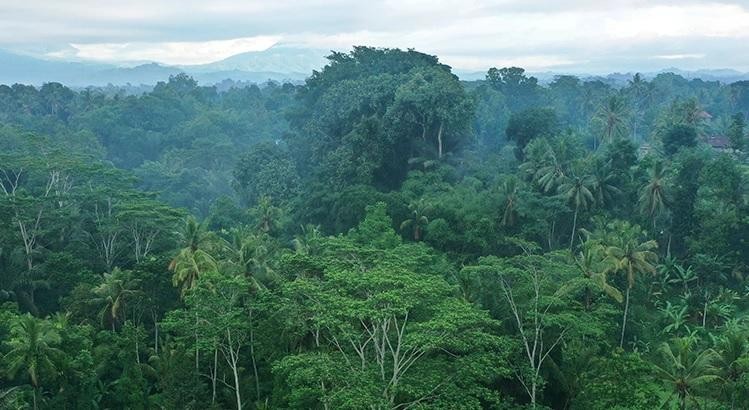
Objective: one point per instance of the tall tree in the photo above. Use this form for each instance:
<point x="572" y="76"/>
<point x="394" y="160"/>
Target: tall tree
<point x="532" y="289"/>
<point x="193" y="258"/>
<point x="34" y="349"/>
<point x="577" y="192"/>
<point x="630" y="256"/>
<point x="529" y="124"/>
<point x="113" y="294"/>
<point x="737" y="132"/>
<point x="685" y="370"/>
<point x="434" y="100"/>
<point x="653" y="199"/>
<point x="613" y="115"/>
<point x="418" y="219"/>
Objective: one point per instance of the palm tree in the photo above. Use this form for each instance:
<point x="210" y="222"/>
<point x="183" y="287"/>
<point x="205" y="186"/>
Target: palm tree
<point x="266" y="214"/>
<point x="639" y="91"/>
<point x="732" y="349"/>
<point x="9" y="398"/>
<point x="193" y="258"/>
<point x="613" y="115"/>
<point x="603" y="188"/>
<point x="685" y="370"/>
<point x="632" y="257"/>
<point x="509" y="191"/>
<point x="550" y="174"/>
<point x="307" y="242"/>
<point x="576" y="191"/>
<point x="113" y="292"/>
<point x="33" y="349"/>
<point x="418" y="220"/>
<point x="187" y="267"/>
<point x="251" y="256"/>
<point x="653" y="200"/>
<point x="589" y="262"/>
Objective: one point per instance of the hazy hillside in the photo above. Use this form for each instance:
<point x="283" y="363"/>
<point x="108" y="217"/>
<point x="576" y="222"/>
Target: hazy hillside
<point x="276" y="63"/>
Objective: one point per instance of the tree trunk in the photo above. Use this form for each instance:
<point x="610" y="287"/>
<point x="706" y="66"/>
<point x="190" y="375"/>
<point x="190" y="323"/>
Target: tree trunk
<point x="137" y="350"/>
<point x="533" y="394"/>
<point x="624" y="319"/>
<point x="704" y="313"/>
<point x="234" y="359"/>
<point x="214" y="375"/>
<point x="197" y="352"/>
<point x="551" y="231"/>
<point x="439" y="140"/>
<point x="236" y="387"/>
<point x="252" y="357"/>
<point x="574" y="227"/>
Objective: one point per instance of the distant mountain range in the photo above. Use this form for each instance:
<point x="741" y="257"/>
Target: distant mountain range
<point x="278" y="63"/>
<point x="545" y="77"/>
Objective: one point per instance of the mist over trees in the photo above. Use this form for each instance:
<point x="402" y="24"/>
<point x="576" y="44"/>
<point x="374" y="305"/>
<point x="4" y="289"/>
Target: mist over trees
<point x="383" y="236"/>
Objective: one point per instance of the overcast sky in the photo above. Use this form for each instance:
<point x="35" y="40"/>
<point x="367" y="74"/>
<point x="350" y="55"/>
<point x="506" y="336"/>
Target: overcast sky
<point x="569" y="35"/>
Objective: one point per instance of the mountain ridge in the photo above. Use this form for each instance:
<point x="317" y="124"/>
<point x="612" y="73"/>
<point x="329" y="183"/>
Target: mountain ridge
<point x="278" y="63"/>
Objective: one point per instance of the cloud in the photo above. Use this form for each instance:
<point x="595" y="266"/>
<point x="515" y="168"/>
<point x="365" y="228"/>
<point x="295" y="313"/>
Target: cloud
<point x="679" y="56"/>
<point x="469" y="34"/>
<point x="177" y="53"/>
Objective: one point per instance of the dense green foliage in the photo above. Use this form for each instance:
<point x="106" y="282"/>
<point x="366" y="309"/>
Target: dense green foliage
<point x="383" y="236"/>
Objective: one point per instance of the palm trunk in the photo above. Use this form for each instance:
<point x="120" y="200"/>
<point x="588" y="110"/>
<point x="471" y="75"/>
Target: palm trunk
<point x="214" y="375"/>
<point x="137" y="350"/>
<point x="551" y="231"/>
<point x="574" y="227"/>
<point x="439" y="140"/>
<point x="704" y="314"/>
<point x="252" y="356"/>
<point x="197" y="352"/>
<point x="624" y="319"/>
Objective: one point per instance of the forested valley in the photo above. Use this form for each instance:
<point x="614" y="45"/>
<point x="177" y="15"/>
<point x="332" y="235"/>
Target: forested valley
<point x="383" y="236"/>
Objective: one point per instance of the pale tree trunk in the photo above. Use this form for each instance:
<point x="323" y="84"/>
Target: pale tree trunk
<point x="142" y="241"/>
<point x="439" y="140"/>
<point x="574" y="226"/>
<point x="156" y="332"/>
<point x="532" y="338"/>
<point x="137" y="350"/>
<point x="214" y="375"/>
<point x="551" y="231"/>
<point x="624" y="319"/>
<point x="383" y="344"/>
<point x="233" y="360"/>
<point x="197" y="352"/>
<point x="252" y="357"/>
